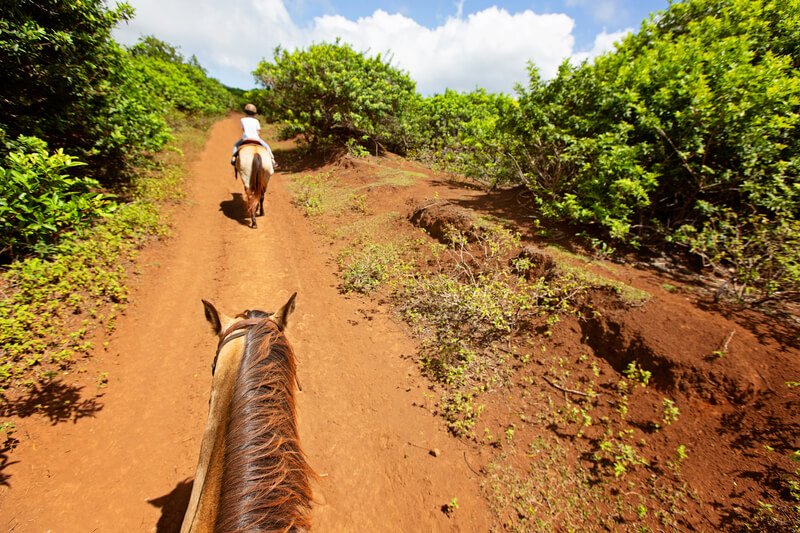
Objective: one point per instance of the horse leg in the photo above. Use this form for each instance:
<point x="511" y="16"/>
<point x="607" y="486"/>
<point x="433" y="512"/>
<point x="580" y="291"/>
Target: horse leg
<point x="253" y="221"/>
<point x="261" y="205"/>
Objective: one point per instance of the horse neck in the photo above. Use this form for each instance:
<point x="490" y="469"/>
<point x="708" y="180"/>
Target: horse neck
<point x="263" y="455"/>
<point x="203" y="503"/>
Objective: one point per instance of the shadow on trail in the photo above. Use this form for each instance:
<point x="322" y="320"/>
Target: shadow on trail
<point x="301" y="159"/>
<point x="234" y="208"/>
<point x="173" y="507"/>
<point x="5" y="462"/>
<point x="516" y="204"/>
<point x="57" y="401"/>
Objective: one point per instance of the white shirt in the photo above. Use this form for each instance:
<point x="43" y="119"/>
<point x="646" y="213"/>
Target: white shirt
<point x="250" y="127"/>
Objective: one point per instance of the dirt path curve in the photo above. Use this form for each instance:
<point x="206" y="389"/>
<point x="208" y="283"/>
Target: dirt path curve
<point x="128" y="466"/>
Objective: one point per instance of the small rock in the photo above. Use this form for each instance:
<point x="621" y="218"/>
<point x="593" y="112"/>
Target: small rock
<point x="436" y="452"/>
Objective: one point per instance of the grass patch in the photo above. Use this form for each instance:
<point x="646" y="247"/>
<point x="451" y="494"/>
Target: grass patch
<point x="322" y="193"/>
<point x="364" y="229"/>
<point x="569" y="263"/>
<point x="397" y="178"/>
<point x="365" y="267"/>
<point x="468" y="308"/>
<point x="534" y="499"/>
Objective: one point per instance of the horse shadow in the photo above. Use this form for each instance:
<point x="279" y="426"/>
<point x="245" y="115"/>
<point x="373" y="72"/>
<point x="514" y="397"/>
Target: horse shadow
<point x="173" y="507"/>
<point x="235" y="208"/>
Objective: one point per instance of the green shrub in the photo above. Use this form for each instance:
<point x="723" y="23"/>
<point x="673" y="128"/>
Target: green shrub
<point x="181" y="84"/>
<point x="697" y="112"/>
<point x="39" y="200"/>
<point x="66" y="81"/>
<point x="364" y="270"/>
<point x="460" y="133"/>
<point x="471" y="305"/>
<point x="687" y="133"/>
<point x="756" y="256"/>
<point x="84" y="274"/>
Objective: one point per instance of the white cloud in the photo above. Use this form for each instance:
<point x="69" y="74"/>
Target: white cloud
<point x="228" y="39"/>
<point x="459" y="8"/>
<point x="487" y="49"/>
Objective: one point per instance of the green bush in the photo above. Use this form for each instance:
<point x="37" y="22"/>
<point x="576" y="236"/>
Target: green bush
<point x="758" y="257"/>
<point x="690" y="123"/>
<point x="181" y="84"/>
<point x="460" y="133"/>
<point x="85" y="275"/>
<point x="365" y="269"/>
<point x="63" y="79"/>
<point x="39" y="199"/>
<point x="469" y="307"/>
<point x="330" y="94"/>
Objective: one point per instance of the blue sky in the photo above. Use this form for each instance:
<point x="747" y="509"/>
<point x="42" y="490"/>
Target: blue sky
<point x="591" y="16"/>
<point x="440" y="43"/>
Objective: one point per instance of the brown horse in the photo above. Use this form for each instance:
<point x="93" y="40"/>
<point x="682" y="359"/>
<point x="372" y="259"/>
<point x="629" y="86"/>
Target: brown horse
<point x="254" y="166"/>
<point x="252" y="474"/>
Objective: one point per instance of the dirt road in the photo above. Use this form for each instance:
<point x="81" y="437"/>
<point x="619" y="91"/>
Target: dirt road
<point x="123" y="457"/>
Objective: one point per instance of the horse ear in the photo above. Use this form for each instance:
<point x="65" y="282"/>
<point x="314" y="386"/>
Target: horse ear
<point x="212" y="316"/>
<point x="281" y="316"/>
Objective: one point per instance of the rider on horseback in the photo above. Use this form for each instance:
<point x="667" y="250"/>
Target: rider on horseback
<point x="250" y="132"/>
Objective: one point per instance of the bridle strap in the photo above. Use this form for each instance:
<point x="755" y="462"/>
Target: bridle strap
<point x="240" y="329"/>
<point x="236" y="330"/>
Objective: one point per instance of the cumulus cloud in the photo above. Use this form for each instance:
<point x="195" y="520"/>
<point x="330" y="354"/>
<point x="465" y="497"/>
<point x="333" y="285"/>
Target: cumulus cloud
<point x="228" y="38"/>
<point x="489" y="49"/>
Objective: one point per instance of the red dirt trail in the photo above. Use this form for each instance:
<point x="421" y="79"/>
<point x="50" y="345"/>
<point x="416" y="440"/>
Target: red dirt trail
<point x="124" y="458"/>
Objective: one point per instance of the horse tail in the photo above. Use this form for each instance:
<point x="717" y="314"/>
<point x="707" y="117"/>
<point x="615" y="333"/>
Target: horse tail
<point x="258" y="183"/>
<point x="261" y="177"/>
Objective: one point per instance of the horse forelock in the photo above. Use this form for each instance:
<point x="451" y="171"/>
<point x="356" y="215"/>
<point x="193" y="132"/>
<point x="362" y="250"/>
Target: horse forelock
<point x="266" y="479"/>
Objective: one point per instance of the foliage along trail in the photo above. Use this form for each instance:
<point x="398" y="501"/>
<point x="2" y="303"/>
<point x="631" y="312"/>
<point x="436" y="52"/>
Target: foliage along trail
<point x="121" y="457"/>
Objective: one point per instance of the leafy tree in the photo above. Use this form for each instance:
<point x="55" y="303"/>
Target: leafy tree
<point x="330" y="94"/>
<point x="60" y="71"/>
<point x="66" y="84"/>
<point x="180" y="84"/>
<point x="582" y="163"/>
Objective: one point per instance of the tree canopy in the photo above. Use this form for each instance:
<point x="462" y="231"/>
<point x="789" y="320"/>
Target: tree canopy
<point x="329" y="93"/>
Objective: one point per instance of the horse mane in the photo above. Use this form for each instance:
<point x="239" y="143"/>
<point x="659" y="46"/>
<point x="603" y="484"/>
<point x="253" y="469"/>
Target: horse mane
<point x="258" y="182"/>
<point x="266" y="479"/>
